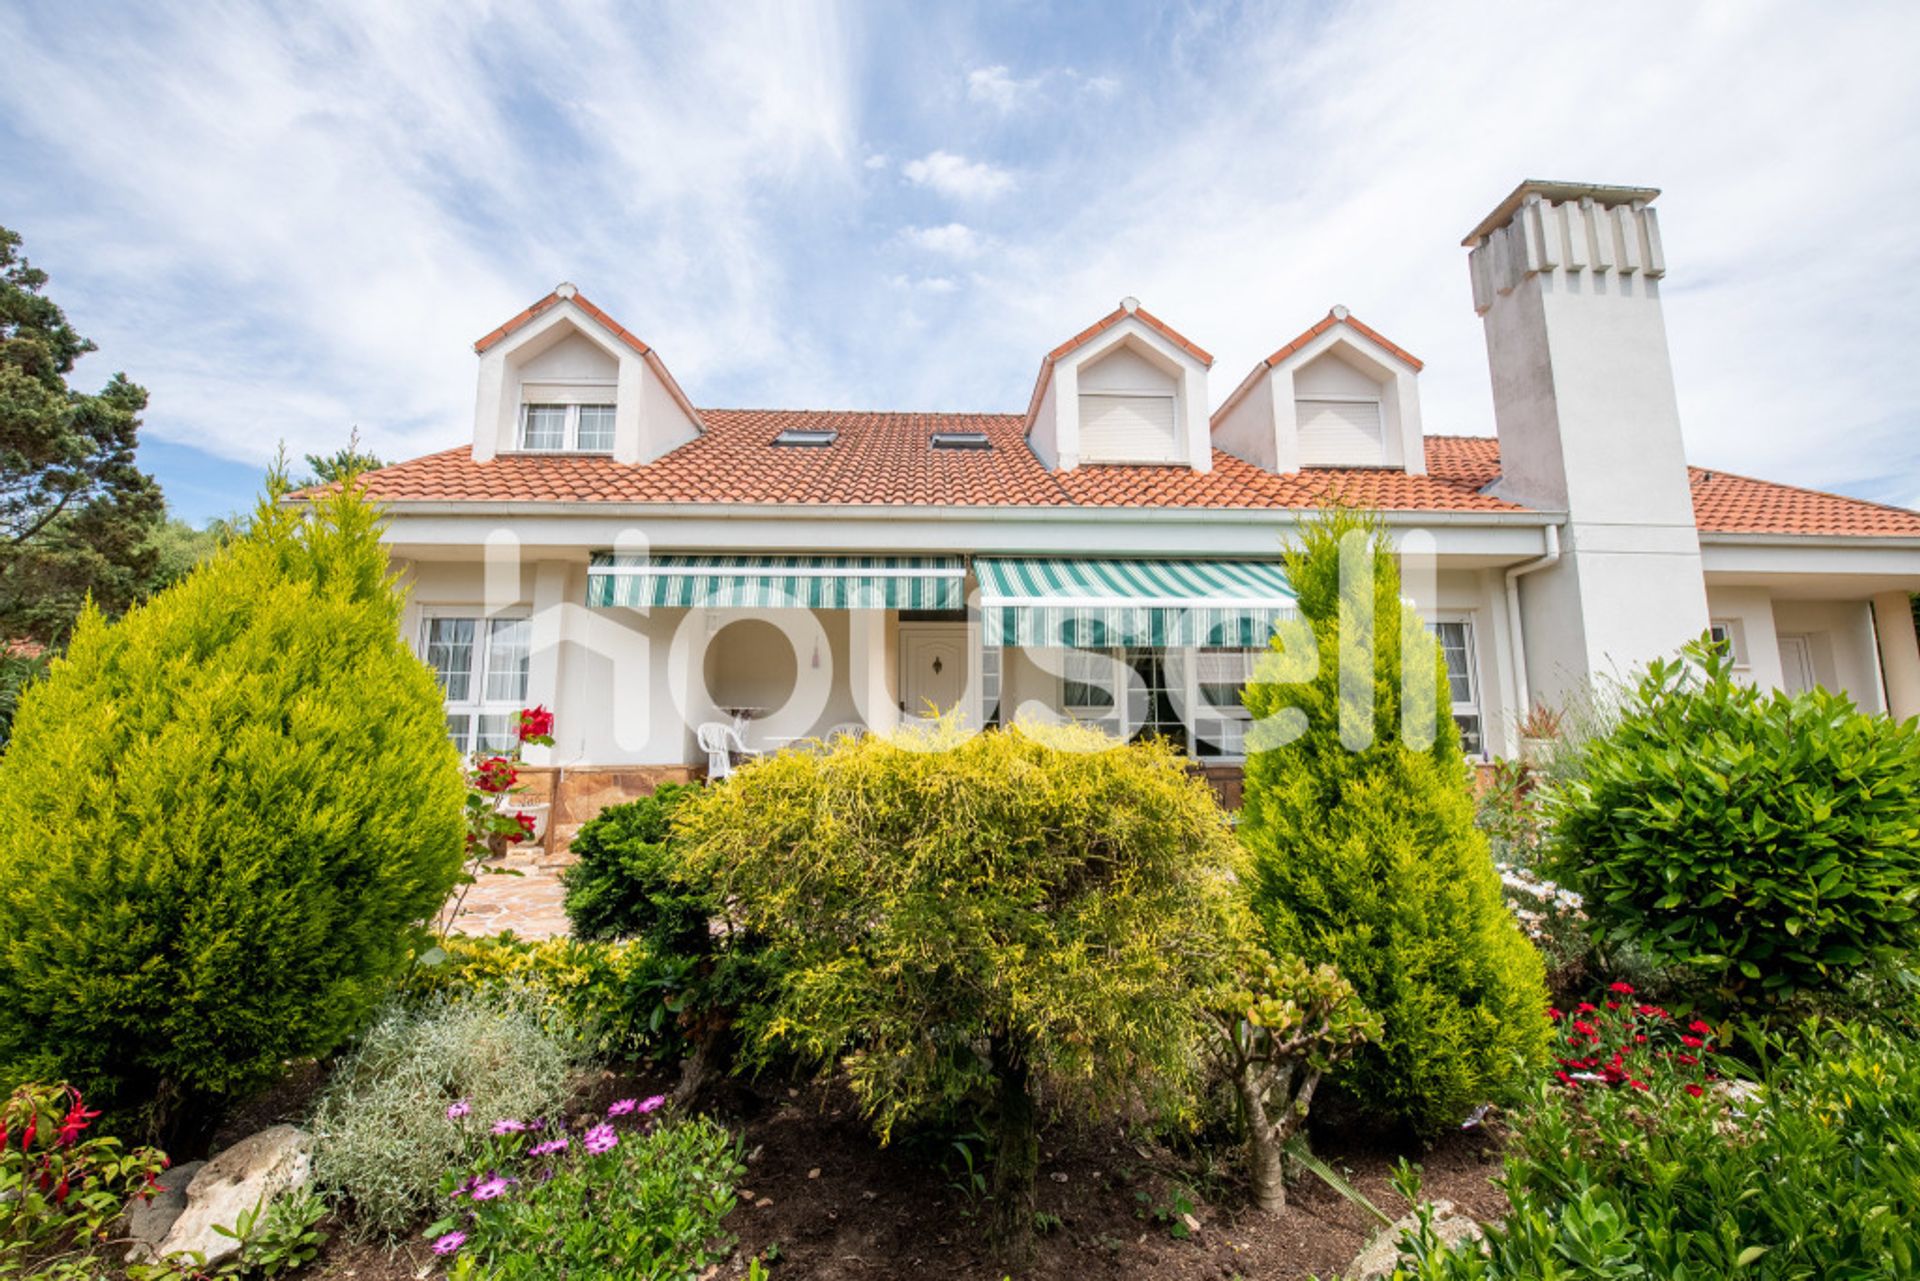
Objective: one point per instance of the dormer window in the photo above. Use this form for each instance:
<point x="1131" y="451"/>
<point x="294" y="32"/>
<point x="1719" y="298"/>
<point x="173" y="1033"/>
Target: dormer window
<point x="1129" y="407"/>
<point x="1339" y="433"/>
<point x="575" y="428"/>
<point x="806" y="437"/>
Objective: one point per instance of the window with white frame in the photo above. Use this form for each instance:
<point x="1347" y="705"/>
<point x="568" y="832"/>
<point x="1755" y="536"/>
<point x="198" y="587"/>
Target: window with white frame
<point x="1207" y="682"/>
<point x="482" y="666"/>
<point x="1463" y="681"/>
<point x="570" y="428"/>
<point x="1726" y="634"/>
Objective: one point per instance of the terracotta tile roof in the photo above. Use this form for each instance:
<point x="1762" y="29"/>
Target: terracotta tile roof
<point x="1339" y="316"/>
<point x="884" y="459"/>
<point x="1727" y="504"/>
<point x="1146" y="318"/>
<point x="1723" y="503"/>
<point x="553" y="300"/>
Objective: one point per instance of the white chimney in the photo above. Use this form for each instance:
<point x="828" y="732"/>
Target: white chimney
<point x="1566" y="277"/>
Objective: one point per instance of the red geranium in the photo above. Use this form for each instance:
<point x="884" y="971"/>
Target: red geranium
<point x="536" y="725"/>
<point x="526" y="823"/>
<point x="495" y="774"/>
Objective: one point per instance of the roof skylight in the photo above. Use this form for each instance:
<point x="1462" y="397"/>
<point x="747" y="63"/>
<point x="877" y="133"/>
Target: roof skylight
<point x="961" y="440"/>
<point x="807" y="437"/>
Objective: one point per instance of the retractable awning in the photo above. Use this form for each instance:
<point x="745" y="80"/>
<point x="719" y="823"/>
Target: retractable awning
<point x="777" y="582"/>
<point x="1087" y="603"/>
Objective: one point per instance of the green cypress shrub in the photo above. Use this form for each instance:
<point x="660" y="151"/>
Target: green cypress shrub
<point x="1363" y="848"/>
<point x="221" y="818"/>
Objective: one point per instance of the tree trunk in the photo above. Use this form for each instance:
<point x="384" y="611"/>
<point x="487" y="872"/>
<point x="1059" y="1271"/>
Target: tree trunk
<point x="1265" y="1167"/>
<point x="1016" y="1158"/>
<point x="708" y="1049"/>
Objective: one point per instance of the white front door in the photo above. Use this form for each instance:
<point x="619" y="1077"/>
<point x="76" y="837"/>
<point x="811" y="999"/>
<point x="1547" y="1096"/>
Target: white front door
<point x="1796" y="664"/>
<point x="933" y="668"/>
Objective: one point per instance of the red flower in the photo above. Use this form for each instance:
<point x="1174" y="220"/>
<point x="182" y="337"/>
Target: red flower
<point x="1552" y="1013"/>
<point x="60" y="1193"/>
<point x="536" y="722"/>
<point x="1694" y="1090"/>
<point x="1700" y="1028"/>
<point x="1651" y="1011"/>
<point x="1583" y="1027"/>
<point x="77" y="1119"/>
<point x="1692" y="1042"/>
<point x="1585" y="1008"/>
<point x="26" y="1139"/>
<point x="1638" y="1085"/>
<point x="495" y="774"/>
<point x="526" y="826"/>
<point x="1613" y="1005"/>
<point x="1687" y="1059"/>
<point x="1640" y="1038"/>
<point x="1624" y="989"/>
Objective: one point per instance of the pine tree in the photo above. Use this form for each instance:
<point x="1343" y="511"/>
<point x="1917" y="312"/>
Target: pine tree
<point x="1362" y="842"/>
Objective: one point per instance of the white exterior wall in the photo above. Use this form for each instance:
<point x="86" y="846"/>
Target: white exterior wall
<point x="1749" y="611"/>
<point x="1589" y="424"/>
<point x="1841" y="638"/>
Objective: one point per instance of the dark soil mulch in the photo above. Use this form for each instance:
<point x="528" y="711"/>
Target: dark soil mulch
<point x="838" y="1207"/>
<point x="822" y="1200"/>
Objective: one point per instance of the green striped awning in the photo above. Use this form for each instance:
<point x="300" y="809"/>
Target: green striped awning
<point x="777" y="582"/>
<point x="1095" y="604"/>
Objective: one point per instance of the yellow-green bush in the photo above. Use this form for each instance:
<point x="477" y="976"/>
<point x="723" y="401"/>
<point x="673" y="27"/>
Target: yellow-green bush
<point x="221" y="818"/>
<point x="949" y="917"/>
<point x="1364" y="849"/>
<point x="607" y="995"/>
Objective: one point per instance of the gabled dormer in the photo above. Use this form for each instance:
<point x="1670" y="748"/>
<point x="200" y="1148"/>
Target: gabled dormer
<point x="1339" y="395"/>
<point x="563" y="377"/>
<point x="1127" y="389"/>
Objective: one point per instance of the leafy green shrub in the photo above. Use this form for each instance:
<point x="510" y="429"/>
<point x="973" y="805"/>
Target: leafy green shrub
<point x="1769" y="841"/>
<point x="396" y="1112"/>
<point x="607" y="996"/>
<point x="624" y="886"/>
<point x="953" y="918"/>
<point x="1367" y="857"/>
<point x="1812" y="1172"/>
<point x="221" y="818"/>
<point x="613" y="1198"/>
<point x="59" y="1190"/>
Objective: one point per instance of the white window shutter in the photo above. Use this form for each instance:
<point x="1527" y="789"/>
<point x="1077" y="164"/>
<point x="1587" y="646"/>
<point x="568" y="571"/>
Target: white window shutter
<point x="1124" y="428"/>
<point x="1340" y="433"/>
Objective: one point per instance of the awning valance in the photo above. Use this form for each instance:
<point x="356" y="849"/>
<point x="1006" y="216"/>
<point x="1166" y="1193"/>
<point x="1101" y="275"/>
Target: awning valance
<point x="777" y="582"/>
<point x="1087" y="603"/>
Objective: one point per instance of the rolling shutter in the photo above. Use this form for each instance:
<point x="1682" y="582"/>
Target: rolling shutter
<point x="1122" y="428"/>
<point x="1339" y="433"/>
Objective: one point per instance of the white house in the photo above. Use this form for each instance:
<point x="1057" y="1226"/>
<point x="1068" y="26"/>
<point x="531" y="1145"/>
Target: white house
<point x="645" y="567"/>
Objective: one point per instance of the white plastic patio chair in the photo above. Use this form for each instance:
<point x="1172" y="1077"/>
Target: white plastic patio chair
<point x="724" y="748"/>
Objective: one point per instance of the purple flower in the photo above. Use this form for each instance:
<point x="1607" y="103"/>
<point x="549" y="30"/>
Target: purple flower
<point x="458" y="1109"/>
<point x="557" y="1144"/>
<point x="492" y="1187"/>
<point x="508" y="1127"/>
<point x="653" y="1104"/>
<point x="622" y="1107"/>
<point x="450" y="1243"/>
<point x="601" y="1138"/>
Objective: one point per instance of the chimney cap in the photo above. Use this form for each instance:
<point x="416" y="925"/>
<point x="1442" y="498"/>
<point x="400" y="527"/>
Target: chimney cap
<point x="1558" y="192"/>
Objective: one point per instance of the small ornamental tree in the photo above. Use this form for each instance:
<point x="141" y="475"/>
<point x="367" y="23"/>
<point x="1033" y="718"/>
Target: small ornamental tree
<point x="950" y="918"/>
<point x="1364" y="854"/>
<point x="222" y="819"/>
<point x="1768" y="841"/>
<point x="1279" y="1029"/>
<point x="624" y="885"/>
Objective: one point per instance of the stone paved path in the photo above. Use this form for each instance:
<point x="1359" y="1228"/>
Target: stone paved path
<point x="528" y="904"/>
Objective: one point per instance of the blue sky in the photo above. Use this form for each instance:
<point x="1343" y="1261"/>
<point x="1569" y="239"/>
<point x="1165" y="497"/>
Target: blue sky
<point x="288" y="222"/>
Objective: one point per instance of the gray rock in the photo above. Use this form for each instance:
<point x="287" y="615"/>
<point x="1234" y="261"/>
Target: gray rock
<point x="1376" y="1262"/>
<point x="250" y="1173"/>
<point x="148" y="1222"/>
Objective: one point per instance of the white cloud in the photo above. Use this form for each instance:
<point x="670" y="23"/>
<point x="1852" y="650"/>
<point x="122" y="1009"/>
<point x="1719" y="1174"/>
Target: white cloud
<point x="955" y="239"/>
<point x="996" y="87"/>
<point x="287" y="226"/>
<point x="956" y="176"/>
<point x="876" y="161"/>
